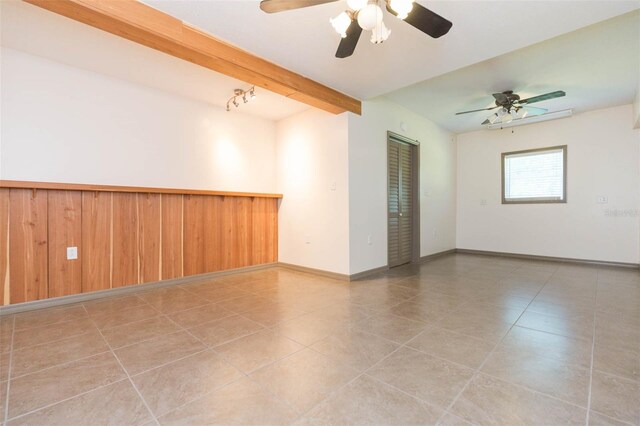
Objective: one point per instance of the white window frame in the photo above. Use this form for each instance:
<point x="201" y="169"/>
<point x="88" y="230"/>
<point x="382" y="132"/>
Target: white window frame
<point x="537" y="200"/>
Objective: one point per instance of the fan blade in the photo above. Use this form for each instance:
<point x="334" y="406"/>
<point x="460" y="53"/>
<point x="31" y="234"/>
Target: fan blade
<point x="348" y="44"/>
<point x="501" y="98"/>
<point x="485" y="122"/>
<point x="476" y="110"/>
<point x="535" y="110"/>
<point x="273" y="6"/>
<point x="546" y="96"/>
<point x="426" y="21"/>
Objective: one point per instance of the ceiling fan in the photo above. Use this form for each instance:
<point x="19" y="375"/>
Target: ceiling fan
<point x="367" y="15"/>
<point x="512" y="107"/>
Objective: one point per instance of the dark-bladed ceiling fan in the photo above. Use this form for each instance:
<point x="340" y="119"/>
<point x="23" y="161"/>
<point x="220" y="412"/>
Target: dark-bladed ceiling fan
<point x="512" y="107"/>
<point x="367" y="15"/>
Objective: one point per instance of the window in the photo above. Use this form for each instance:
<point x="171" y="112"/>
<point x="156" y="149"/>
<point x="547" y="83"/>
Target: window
<point x="535" y="176"/>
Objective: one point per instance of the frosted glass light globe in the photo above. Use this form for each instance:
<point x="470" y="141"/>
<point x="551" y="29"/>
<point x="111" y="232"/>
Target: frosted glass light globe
<point x="340" y="23"/>
<point x="369" y="16"/>
<point x="401" y="7"/>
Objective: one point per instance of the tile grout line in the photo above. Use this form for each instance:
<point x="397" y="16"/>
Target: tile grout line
<point x="126" y="372"/>
<point x="364" y="372"/>
<point x="477" y="371"/>
<point x="593" y="346"/>
<point x="44" y="407"/>
<point x="6" y="401"/>
<point x="244" y="374"/>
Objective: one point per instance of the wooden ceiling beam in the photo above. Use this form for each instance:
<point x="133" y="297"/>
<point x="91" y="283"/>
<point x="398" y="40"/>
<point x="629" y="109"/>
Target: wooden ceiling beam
<point x="145" y="25"/>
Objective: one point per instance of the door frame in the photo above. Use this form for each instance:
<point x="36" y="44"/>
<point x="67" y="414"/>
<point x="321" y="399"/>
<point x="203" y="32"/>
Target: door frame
<point x="415" y="179"/>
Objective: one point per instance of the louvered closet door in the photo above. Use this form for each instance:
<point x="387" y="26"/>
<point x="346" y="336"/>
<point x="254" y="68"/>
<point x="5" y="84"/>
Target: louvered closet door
<point x="400" y="203"/>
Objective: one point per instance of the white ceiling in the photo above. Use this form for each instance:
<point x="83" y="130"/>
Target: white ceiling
<point x="303" y="40"/>
<point x="42" y="33"/>
<point x="597" y="66"/>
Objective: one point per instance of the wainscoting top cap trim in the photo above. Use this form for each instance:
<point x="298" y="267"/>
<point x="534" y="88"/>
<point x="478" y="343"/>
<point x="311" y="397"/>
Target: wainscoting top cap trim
<point x="114" y="188"/>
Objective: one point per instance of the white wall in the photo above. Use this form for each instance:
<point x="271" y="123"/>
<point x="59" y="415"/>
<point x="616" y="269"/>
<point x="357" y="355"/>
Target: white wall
<point x="65" y="124"/>
<point x="368" y="182"/>
<point x="313" y="176"/>
<point x="636" y="109"/>
<point x="602" y="160"/>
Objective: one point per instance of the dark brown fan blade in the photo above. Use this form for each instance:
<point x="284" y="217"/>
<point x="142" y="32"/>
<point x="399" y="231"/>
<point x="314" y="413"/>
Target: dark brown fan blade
<point x="485" y="122"/>
<point x="546" y="96"/>
<point x="501" y="98"/>
<point x="272" y="6"/>
<point x="476" y="110"/>
<point x="348" y="44"/>
<point x="426" y="21"/>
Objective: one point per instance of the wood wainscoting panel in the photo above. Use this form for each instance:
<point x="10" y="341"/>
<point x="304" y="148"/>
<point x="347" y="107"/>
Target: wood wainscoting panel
<point x="264" y="231"/>
<point x="214" y="237"/>
<point x="4" y="246"/>
<point x="149" y="213"/>
<point x="96" y="241"/>
<point x="238" y="242"/>
<point x="28" y="256"/>
<point x="124" y="238"/>
<point x="125" y="266"/>
<point x="65" y="230"/>
<point x="194" y="234"/>
<point x="171" y="236"/>
<point x="259" y="231"/>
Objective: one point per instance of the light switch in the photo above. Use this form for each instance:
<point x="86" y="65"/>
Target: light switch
<point x="602" y="199"/>
<point x="72" y="253"/>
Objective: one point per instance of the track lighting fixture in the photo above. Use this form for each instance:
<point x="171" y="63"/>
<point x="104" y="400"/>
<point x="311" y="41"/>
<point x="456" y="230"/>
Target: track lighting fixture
<point x="239" y="93"/>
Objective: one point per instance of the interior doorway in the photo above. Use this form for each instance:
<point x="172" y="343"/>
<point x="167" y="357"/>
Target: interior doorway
<point x="403" y="205"/>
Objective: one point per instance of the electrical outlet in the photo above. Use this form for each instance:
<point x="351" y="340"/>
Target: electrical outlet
<point x="307" y="239"/>
<point x="602" y="199"/>
<point x="483" y="202"/>
<point x="369" y="240"/>
<point x="332" y="186"/>
<point x="72" y="253"/>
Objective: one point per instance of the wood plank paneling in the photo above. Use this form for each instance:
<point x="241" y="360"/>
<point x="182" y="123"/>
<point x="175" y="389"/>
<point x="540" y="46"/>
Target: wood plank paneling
<point x="259" y="228"/>
<point x="125" y="240"/>
<point x="96" y="241"/>
<point x="171" y="236"/>
<point x="214" y="235"/>
<point x="238" y="240"/>
<point x="65" y="230"/>
<point x="149" y="235"/>
<point x="28" y="255"/>
<point x="23" y="184"/>
<point x="4" y="246"/>
<point x="194" y="234"/>
<point x="272" y="231"/>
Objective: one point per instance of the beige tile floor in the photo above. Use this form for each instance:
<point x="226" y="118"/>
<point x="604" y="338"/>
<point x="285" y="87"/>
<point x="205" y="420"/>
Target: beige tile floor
<point x="459" y="340"/>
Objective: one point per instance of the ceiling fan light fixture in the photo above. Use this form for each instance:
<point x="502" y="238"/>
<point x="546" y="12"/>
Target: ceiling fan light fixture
<point x="401" y="7"/>
<point x="522" y="113"/>
<point x="493" y="118"/>
<point x="357" y="4"/>
<point x="340" y="23"/>
<point x="380" y="33"/>
<point x="506" y="118"/>
<point x="369" y="16"/>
